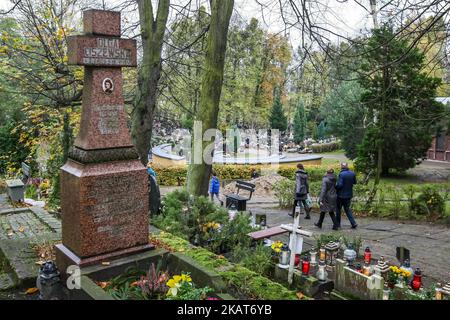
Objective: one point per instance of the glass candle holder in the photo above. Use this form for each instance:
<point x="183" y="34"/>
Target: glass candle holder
<point x="367" y="255"/>
<point x="416" y="283"/>
<point x="322" y="254"/>
<point x="305" y="266"/>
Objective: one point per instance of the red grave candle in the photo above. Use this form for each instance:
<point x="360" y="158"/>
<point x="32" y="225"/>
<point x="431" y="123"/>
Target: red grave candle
<point x="416" y="282"/>
<point x="367" y="255"/>
<point x="305" y="267"/>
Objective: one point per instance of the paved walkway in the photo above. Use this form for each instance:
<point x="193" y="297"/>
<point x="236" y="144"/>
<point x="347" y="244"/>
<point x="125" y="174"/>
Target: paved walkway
<point x="429" y="244"/>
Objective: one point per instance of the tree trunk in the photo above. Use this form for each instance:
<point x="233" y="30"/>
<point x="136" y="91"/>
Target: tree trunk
<point x="152" y="34"/>
<point x="199" y="173"/>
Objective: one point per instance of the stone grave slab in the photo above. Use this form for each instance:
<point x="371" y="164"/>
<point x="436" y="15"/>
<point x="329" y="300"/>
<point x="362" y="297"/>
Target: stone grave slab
<point x="26" y="224"/>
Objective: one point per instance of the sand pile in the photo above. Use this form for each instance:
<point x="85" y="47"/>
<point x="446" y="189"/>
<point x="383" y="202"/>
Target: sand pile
<point x="264" y="186"/>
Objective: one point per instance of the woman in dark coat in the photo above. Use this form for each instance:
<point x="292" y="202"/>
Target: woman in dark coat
<point x="327" y="198"/>
<point x="301" y="190"/>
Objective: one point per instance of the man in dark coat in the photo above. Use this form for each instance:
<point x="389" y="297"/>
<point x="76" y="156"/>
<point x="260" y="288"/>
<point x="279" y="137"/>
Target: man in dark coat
<point x="344" y="187"/>
<point x="301" y="190"/>
<point x="327" y="198"/>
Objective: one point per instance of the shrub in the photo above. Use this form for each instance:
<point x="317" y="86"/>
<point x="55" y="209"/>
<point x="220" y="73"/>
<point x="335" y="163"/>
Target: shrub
<point x="325" y="147"/>
<point x="172" y="176"/>
<point x="257" y="259"/>
<point x="284" y="191"/>
<point x="201" y="222"/>
<point x="233" y="233"/>
<point x="429" y="202"/>
<point x="185" y="215"/>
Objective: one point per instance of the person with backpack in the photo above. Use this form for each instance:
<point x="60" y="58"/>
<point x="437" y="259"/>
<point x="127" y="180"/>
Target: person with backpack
<point x="301" y="190"/>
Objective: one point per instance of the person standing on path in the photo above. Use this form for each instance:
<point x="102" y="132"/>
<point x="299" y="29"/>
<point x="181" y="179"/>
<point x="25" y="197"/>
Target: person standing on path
<point x="214" y="188"/>
<point x="327" y="198"/>
<point x="344" y="187"/>
<point x="301" y="190"/>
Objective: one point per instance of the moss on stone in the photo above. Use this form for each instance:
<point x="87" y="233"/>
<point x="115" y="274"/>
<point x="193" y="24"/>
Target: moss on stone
<point x="239" y="278"/>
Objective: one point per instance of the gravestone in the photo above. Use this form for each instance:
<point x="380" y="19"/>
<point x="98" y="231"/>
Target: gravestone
<point x="104" y="186"/>
<point x="402" y="254"/>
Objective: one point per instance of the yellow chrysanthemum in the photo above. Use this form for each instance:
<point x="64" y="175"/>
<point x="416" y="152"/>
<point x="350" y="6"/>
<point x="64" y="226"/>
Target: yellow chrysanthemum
<point x="171" y="283"/>
<point x="185" y="277"/>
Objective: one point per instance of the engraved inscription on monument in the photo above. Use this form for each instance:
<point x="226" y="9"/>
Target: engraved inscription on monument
<point x="113" y="213"/>
<point x="108" y="119"/>
<point x="107" y="52"/>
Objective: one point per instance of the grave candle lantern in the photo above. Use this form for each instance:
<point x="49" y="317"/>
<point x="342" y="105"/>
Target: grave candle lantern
<point x="305" y="265"/>
<point x="297" y="260"/>
<point x="322" y="254"/>
<point x="407" y="266"/>
<point x="284" y="257"/>
<point x="232" y="212"/>
<point x="312" y="258"/>
<point x="322" y="273"/>
<point x="382" y="268"/>
<point x="438" y="292"/>
<point x="416" y="283"/>
<point x="386" y="292"/>
<point x="331" y="249"/>
<point x="350" y="254"/>
<point x="366" y="270"/>
<point x="367" y="255"/>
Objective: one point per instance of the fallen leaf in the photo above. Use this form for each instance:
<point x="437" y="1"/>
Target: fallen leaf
<point x="21" y="229"/>
<point x="31" y="290"/>
<point x="134" y="284"/>
<point x="40" y="262"/>
<point x="106" y="263"/>
<point x="103" y="284"/>
<point x="300" y="295"/>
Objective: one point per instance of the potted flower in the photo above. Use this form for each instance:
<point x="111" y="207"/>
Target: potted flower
<point x="392" y="276"/>
<point x="397" y="274"/>
<point x="276" y="250"/>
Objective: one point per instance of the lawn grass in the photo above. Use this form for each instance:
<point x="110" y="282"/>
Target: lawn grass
<point x="337" y="152"/>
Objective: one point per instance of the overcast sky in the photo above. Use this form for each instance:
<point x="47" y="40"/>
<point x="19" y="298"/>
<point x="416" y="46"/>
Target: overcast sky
<point x="346" y="18"/>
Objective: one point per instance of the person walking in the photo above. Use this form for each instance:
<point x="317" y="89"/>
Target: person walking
<point x="214" y="188"/>
<point x="327" y="198"/>
<point x="344" y="187"/>
<point x="301" y="190"/>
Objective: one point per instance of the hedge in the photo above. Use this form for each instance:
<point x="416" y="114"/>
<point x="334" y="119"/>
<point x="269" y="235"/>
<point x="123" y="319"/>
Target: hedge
<point x="172" y="176"/>
<point x="238" y="277"/>
<point x="325" y="147"/>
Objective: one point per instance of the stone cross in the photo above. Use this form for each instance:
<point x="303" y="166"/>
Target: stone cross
<point x="104" y="187"/>
<point x="103" y="53"/>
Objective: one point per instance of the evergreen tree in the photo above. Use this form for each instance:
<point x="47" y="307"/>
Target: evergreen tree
<point x="300" y="123"/>
<point x="400" y="98"/>
<point x="277" y="118"/>
<point x="345" y="116"/>
<point x="321" y="130"/>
